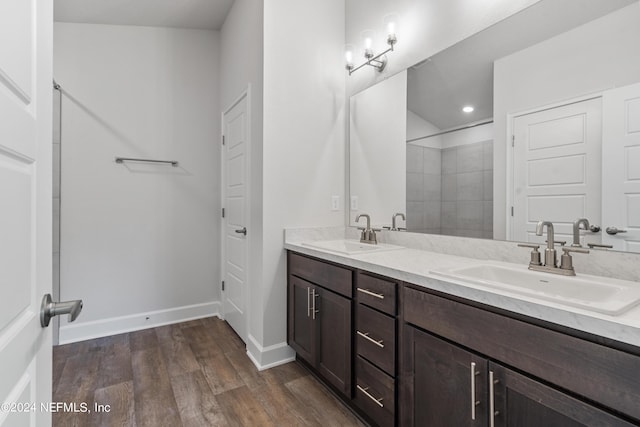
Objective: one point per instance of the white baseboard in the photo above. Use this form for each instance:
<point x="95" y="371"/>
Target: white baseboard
<point x="270" y="356"/>
<point x="74" y="332"/>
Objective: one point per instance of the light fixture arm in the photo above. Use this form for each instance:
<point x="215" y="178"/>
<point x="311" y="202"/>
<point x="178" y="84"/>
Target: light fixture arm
<point x="379" y="62"/>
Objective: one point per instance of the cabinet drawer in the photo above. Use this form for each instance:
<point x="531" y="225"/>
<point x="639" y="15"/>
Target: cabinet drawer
<point x="375" y="393"/>
<point x="600" y="373"/>
<point x="377" y="293"/>
<point x="332" y="277"/>
<point x="376" y="338"/>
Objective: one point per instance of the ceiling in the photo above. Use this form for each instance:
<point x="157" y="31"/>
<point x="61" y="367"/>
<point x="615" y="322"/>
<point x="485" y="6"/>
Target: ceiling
<point x="194" y="14"/>
<point x="463" y="74"/>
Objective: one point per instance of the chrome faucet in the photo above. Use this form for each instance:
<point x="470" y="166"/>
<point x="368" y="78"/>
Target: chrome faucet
<point x="393" y="220"/>
<point x="550" y="252"/>
<point x="550" y="265"/>
<point x="576" y="231"/>
<point x="368" y="234"/>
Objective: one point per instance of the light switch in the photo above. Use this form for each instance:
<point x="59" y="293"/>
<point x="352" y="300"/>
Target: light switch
<point x="354" y="203"/>
<point x="335" y="203"/>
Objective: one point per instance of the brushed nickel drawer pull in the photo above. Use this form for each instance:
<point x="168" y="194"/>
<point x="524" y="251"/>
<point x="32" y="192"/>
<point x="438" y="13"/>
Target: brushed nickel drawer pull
<point x="308" y="302"/>
<point x="368" y="292"/>
<point x="366" y="336"/>
<point x="474" y="402"/>
<point x="364" y="390"/>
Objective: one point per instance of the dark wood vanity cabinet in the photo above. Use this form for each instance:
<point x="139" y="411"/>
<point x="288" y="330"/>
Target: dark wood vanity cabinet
<point x="320" y="318"/>
<point x="463" y="366"/>
<point x="399" y="354"/>
<point x="376" y="347"/>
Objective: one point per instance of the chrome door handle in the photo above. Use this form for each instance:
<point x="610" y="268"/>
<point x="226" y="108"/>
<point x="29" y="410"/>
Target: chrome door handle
<point x="474" y="402"/>
<point x="49" y="309"/>
<point x="614" y="230"/>
<point x="243" y="230"/>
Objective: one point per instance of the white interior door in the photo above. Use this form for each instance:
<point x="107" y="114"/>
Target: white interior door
<point x="25" y="206"/>
<point x="235" y="181"/>
<point x="621" y="166"/>
<point x="557" y="170"/>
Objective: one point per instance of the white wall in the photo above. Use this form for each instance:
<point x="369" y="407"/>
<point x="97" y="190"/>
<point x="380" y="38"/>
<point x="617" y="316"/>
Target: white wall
<point x="378" y="150"/>
<point x="599" y="55"/>
<point x="424" y="28"/>
<point x="304" y="139"/>
<point x="138" y="239"/>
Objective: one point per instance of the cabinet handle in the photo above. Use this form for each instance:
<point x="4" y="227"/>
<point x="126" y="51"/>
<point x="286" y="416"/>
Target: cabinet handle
<point x="474" y="402"/>
<point x="366" y="336"/>
<point x="364" y="390"/>
<point x="308" y="302"/>
<point x="492" y="403"/>
<point x="313" y="304"/>
<point x="368" y="292"/>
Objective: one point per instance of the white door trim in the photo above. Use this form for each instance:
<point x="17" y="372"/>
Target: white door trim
<point x="245" y="94"/>
<point x="510" y="152"/>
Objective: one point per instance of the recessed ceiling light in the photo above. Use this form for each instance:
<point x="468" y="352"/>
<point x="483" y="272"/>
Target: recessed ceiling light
<point x="467" y="109"/>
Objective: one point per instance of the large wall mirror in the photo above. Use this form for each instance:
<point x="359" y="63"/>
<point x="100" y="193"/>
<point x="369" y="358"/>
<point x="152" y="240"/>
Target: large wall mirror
<point x="535" y="118"/>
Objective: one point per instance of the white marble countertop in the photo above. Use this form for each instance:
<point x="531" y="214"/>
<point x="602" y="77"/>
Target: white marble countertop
<point x="415" y="266"/>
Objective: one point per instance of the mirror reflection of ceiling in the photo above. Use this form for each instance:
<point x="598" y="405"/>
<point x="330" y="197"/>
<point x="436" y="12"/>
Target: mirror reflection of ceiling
<point x="463" y="74"/>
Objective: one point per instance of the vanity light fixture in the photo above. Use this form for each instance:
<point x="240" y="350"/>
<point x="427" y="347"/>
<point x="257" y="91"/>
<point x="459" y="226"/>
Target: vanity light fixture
<point x="378" y="61"/>
<point x="467" y="109"/>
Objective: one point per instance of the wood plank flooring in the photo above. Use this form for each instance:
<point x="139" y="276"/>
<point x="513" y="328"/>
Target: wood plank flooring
<point x="190" y="374"/>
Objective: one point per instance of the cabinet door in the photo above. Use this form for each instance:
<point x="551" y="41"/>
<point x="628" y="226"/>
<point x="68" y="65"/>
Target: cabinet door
<point x="441" y="376"/>
<point x="334" y="340"/>
<point x="302" y="327"/>
<point x="523" y="402"/>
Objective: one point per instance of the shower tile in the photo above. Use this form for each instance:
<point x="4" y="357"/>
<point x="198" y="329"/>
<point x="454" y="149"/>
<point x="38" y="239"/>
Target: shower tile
<point x="448" y="215"/>
<point x="470" y="215"/>
<point x="487" y="155"/>
<point x="487" y="184"/>
<point x="470" y="186"/>
<point x="470" y="158"/>
<point x="432" y="160"/>
<point x="415" y="216"/>
<point x="415" y="159"/>
<point x="449" y="187"/>
<point x="432" y="214"/>
<point x="432" y="187"/>
<point x="449" y="162"/>
<point x="487" y="216"/>
<point x="415" y="187"/>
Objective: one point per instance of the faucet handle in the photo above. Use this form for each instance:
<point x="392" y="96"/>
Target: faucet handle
<point x="566" y="262"/>
<point x="598" y="245"/>
<point x="558" y="242"/>
<point x="567" y="249"/>
<point x="535" y="255"/>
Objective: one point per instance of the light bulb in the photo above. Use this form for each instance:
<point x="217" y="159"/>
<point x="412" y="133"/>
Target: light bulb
<point x="391" y="28"/>
<point x="467" y="109"/>
<point x="367" y="43"/>
<point x="348" y="56"/>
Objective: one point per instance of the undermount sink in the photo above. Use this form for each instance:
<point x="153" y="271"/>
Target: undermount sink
<point x="609" y="296"/>
<point x="351" y="247"/>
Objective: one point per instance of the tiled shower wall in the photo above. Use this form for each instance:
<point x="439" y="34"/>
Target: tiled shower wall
<point x="450" y="191"/>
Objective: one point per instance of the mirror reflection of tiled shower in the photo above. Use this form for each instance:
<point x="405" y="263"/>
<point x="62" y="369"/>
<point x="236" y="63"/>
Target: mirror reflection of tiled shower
<point x="57" y="138"/>
<point x="450" y="186"/>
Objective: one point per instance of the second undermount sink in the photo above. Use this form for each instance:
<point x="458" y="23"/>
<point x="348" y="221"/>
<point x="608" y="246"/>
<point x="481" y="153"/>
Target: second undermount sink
<point x="350" y="247"/>
<point x="603" y="295"/>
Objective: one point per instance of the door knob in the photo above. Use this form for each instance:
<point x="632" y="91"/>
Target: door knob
<point x="242" y="231"/>
<point x="50" y="309"/>
<point x="614" y="230"/>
